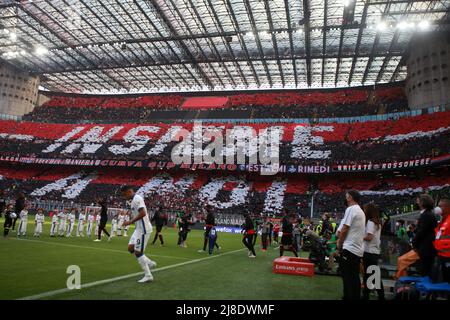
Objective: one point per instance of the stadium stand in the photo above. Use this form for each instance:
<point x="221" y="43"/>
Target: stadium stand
<point x="312" y="104"/>
<point x="227" y="192"/>
<point x="204" y="102"/>
<point x="406" y="139"/>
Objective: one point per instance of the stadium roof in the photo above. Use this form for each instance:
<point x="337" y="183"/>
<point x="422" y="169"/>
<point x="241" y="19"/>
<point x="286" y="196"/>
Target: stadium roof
<point x="127" y="46"/>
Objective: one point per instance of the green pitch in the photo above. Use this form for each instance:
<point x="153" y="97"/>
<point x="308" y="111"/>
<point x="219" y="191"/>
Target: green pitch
<point x="37" y="267"/>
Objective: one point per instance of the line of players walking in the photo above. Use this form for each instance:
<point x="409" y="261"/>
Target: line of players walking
<point x="64" y="223"/>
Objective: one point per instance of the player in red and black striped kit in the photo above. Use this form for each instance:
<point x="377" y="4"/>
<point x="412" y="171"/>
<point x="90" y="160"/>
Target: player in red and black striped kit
<point x="9" y="216"/>
<point x="103" y="219"/>
<point x="275" y="231"/>
<point x="210" y="222"/>
<point x="160" y="219"/>
<point x="249" y="233"/>
<point x="287" y="240"/>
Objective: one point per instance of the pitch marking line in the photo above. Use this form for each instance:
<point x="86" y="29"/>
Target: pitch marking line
<point x="131" y="275"/>
<point x="94" y="248"/>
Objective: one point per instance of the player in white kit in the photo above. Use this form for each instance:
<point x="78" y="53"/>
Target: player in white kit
<point x="90" y="223"/>
<point x="70" y="222"/>
<point x="80" y="225"/>
<point x="114" y="225"/>
<point x="126" y="227"/>
<point x="97" y="222"/>
<point x="142" y="231"/>
<point x="62" y="216"/>
<point x="22" y="231"/>
<point x="54" y="226"/>
<point x="120" y="221"/>
<point x="39" y="219"/>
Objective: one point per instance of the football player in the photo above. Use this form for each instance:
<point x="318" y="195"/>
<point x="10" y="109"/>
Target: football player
<point x="126" y="227"/>
<point x="39" y="219"/>
<point x="210" y="223"/>
<point x="160" y="220"/>
<point x="22" y="231"/>
<point x="90" y="223"/>
<point x="142" y="232"/>
<point x="120" y="220"/>
<point x="54" y="226"/>
<point x="80" y="225"/>
<point x="71" y="222"/>
<point x="62" y="216"/>
<point x="97" y="222"/>
<point x="9" y="216"/>
<point x="114" y="225"/>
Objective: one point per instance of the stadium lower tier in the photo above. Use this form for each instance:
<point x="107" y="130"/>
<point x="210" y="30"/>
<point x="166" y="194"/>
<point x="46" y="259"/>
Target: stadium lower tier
<point x="406" y="139"/>
<point x="226" y="193"/>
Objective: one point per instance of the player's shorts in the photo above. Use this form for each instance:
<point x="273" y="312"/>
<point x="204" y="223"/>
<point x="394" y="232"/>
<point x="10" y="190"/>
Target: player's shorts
<point x="103" y="223"/>
<point x="207" y="230"/>
<point x="8" y="223"/>
<point x="159" y="228"/>
<point x="139" y="240"/>
<point x="286" y="240"/>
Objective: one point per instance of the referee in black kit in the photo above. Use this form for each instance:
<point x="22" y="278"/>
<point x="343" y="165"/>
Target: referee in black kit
<point x="103" y="219"/>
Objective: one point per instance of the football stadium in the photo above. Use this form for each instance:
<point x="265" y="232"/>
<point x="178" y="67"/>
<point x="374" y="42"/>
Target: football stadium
<point x="239" y="150"/>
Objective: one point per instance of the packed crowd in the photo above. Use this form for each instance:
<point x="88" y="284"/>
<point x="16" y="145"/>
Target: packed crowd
<point x="314" y="104"/>
<point x="418" y="137"/>
<point x="226" y="193"/>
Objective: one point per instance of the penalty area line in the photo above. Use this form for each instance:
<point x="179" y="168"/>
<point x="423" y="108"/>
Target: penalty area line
<point x="127" y="276"/>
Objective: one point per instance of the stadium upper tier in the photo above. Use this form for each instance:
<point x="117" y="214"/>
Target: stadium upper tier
<point x="288" y="104"/>
<point x="225" y="192"/>
<point x="391" y="144"/>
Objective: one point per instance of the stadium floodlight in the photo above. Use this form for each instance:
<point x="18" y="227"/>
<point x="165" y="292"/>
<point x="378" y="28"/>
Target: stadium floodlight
<point x="402" y="25"/>
<point x="424" y="25"/>
<point x="381" y="26"/>
<point x="40" y="51"/>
